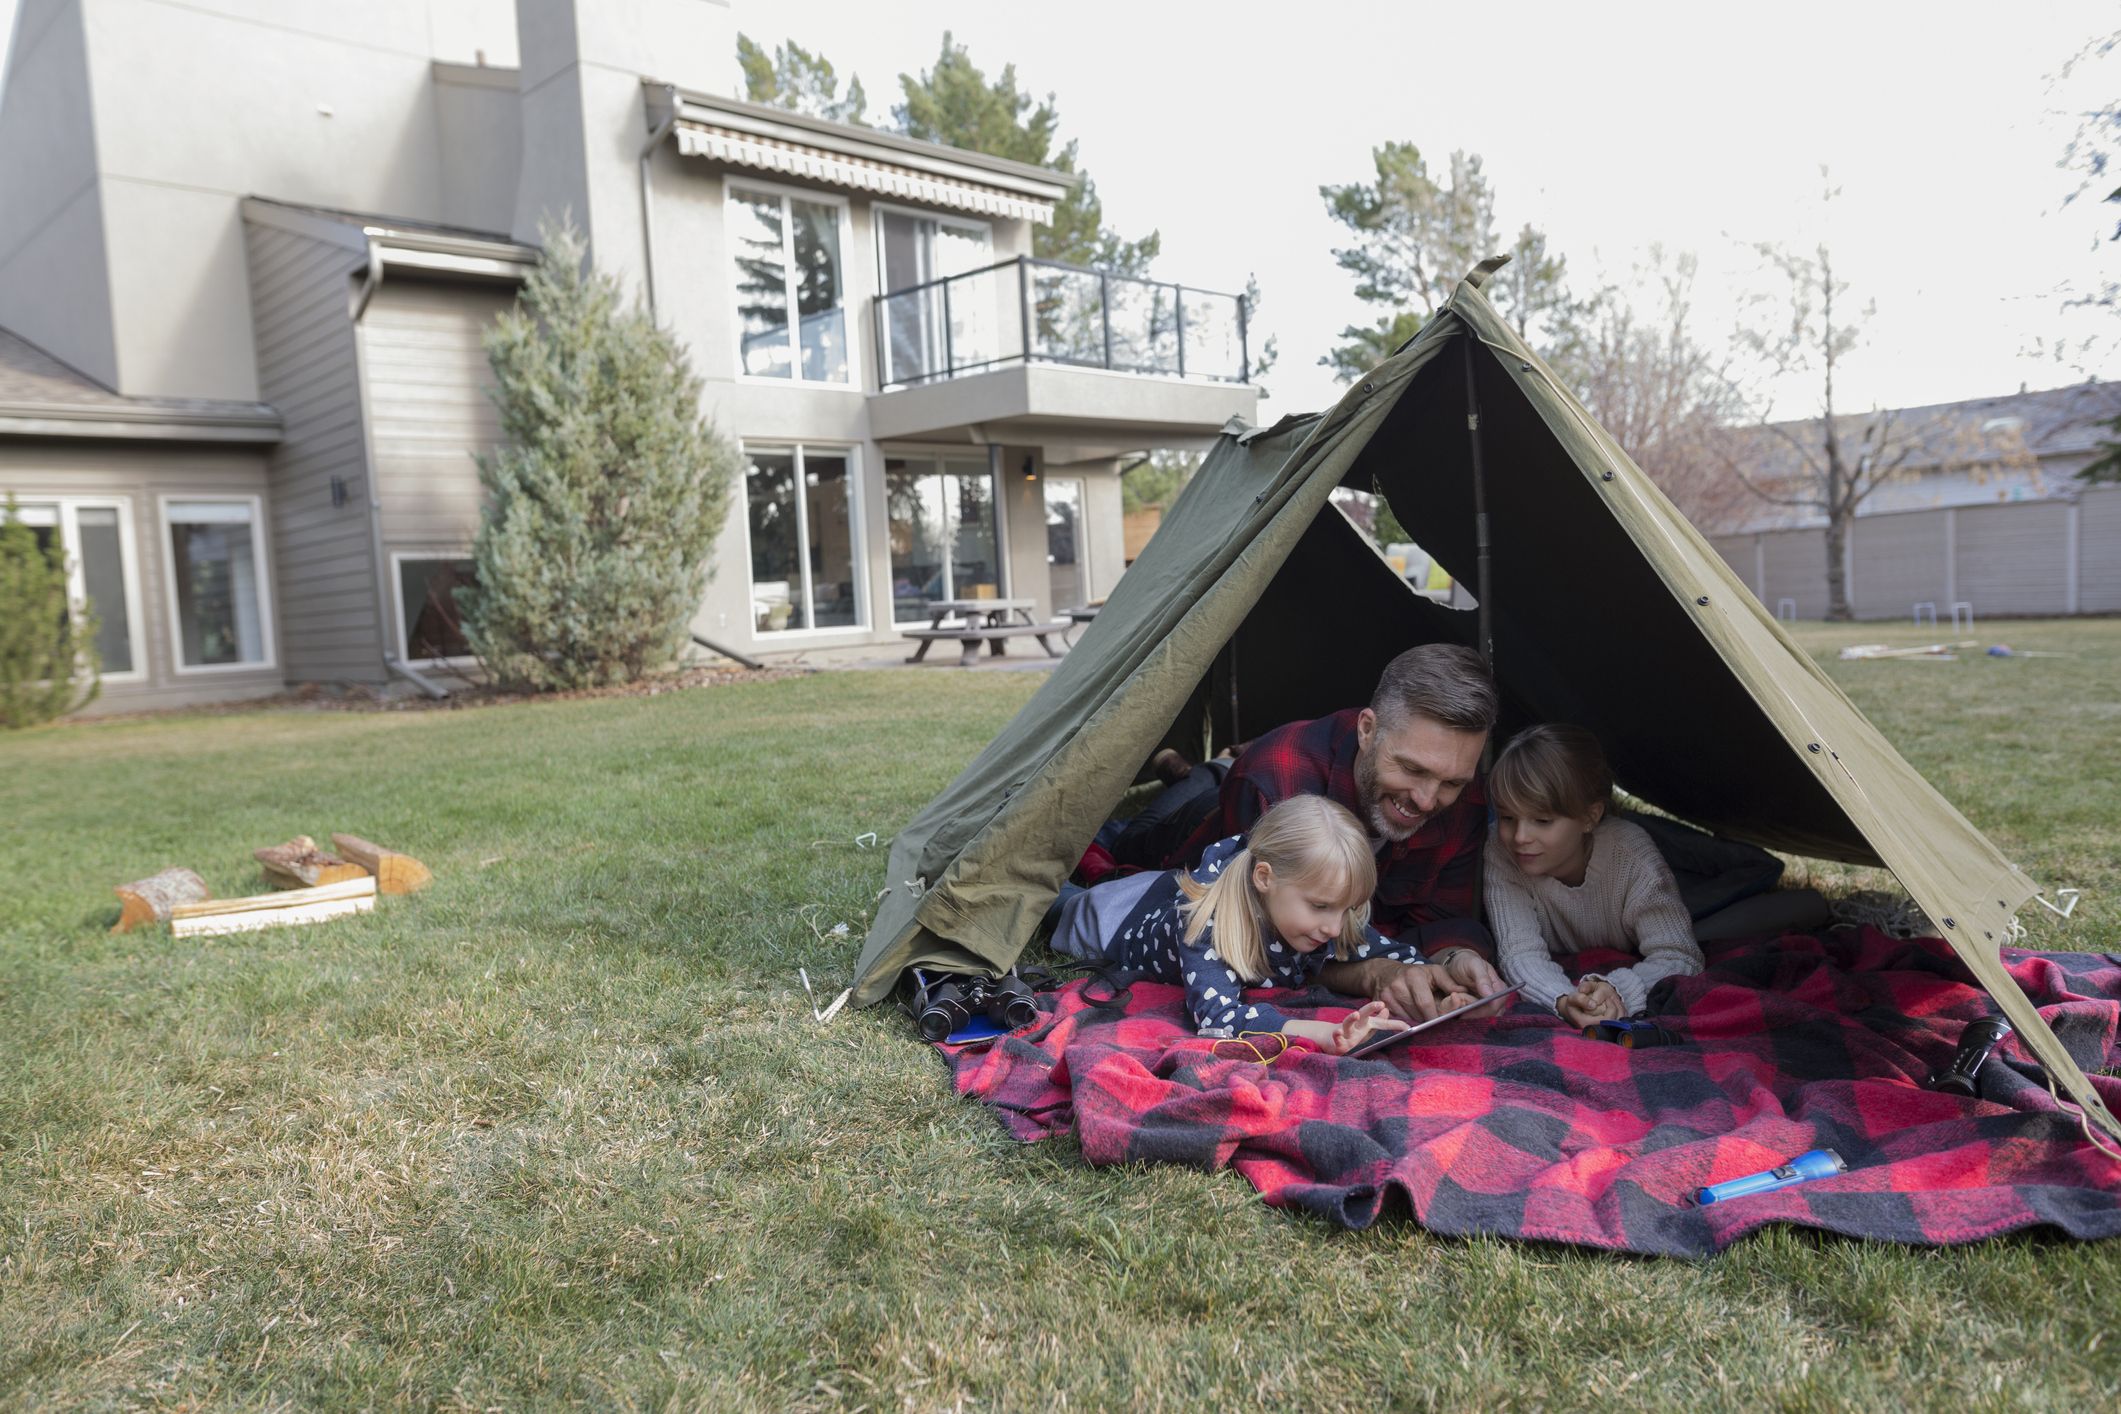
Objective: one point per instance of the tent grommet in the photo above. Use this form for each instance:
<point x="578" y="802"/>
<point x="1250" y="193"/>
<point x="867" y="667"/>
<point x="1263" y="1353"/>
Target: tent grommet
<point x="1951" y="922"/>
<point x="1605" y="476"/>
<point x="1702" y="600"/>
<point x="1813" y="748"/>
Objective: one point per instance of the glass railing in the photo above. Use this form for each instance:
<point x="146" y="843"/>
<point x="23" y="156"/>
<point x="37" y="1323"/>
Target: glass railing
<point x="1041" y="311"/>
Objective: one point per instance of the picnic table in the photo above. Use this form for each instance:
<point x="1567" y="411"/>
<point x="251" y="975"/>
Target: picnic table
<point x="990" y="621"/>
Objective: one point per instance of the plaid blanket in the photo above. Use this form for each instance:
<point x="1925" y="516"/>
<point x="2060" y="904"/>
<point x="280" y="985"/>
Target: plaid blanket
<point x="1520" y="1126"/>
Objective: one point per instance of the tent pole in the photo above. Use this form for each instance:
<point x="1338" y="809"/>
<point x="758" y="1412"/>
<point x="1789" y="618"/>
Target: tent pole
<point x="1480" y="503"/>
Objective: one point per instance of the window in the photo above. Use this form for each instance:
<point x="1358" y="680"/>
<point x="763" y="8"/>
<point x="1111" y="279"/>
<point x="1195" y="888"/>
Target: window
<point x="1065" y="560"/>
<point x="932" y="328"/>
<point x="98" y="541"/>
<point x="805" y="567"/>
<point x="217" y="585"/>
<point x="790" y="292"/>
<point x="945" y="533"/>
<point x="431" y="628"/>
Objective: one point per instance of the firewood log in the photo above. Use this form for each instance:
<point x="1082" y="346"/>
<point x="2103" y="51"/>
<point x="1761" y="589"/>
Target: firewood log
<point x="243" y="915"/>
<point x="150" y="900"/>
<point x="300" y="864"/>
<point x="395" y="873"/>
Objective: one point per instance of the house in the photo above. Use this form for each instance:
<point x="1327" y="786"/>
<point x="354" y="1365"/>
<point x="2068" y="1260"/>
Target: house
<point x="248" y="253"/>
<point x="2023" y="446"/>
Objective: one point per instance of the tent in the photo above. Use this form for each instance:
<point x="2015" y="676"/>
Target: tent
<point x="1257" y="603"/>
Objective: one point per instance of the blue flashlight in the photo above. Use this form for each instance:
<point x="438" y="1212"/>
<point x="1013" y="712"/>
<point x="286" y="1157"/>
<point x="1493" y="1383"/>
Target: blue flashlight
<point x="1819" y="1163"/>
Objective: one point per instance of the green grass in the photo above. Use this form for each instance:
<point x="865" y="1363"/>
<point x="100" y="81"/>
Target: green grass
<point x="560" y="1130"/>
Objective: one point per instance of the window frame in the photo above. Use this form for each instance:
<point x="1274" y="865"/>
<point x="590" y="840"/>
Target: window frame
<point x="397" y="599"/>
<point x="937" y="458"/>
<point x="65" y="519"/>
<point x="266" y="626"/>
<point x="857" y="536"/>
<point x="877" y="211"/>
<point x="1082" y="526"/>
<point x="843" y="209"/>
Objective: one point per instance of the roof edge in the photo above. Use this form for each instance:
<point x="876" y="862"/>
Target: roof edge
<point x="963" y="164"/>
<point x="236" y="422"/>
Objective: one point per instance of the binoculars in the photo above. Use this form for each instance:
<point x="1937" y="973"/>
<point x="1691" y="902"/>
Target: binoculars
<point x="1962" y="1075"/>
<point x="947" y="1003"/>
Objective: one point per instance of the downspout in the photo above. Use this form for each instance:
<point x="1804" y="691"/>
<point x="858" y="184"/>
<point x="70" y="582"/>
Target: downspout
<point x="371" y="278"/>
<point x="655" y="140"/>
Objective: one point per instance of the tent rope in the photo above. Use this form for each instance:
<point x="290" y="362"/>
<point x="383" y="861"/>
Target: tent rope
<point x="2084" y="1119"/>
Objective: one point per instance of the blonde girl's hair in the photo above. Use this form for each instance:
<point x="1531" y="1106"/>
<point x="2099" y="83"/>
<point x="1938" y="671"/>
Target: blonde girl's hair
<point x="1551" y="769"/>
<point x="1306" y="839"/>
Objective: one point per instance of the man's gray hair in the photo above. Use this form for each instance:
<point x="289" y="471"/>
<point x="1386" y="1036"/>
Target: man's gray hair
<point x="1447" y="684"/>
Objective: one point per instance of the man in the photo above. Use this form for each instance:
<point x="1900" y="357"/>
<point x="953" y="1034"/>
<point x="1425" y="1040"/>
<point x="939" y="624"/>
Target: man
<point x="1408" y="766"/>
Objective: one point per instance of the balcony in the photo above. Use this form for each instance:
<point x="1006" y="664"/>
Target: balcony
<point x="1041" y="311"/>
<point x="1039" y="351"/>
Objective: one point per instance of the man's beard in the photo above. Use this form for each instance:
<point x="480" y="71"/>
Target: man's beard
<point x="1373" y="804"/>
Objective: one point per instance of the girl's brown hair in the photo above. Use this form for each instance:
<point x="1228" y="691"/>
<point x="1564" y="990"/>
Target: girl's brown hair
<point x="1304" y="838"/>
<point x="1551" y="769"/>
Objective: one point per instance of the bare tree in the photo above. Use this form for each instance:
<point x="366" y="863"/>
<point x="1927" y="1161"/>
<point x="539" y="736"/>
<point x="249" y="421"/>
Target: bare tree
<point x="1833" y="462"/>
<point x="1663" y="395"/>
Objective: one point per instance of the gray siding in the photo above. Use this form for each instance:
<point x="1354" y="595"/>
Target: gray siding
<point x="1898" y="563"/>
<point x="140" y="476"/>
<point x="429" y="407"/>
<point x="308" y="370"/>
<point x="2099" y="551"/>
<point x="2011" y="558"/>
<point x="1796" y="569"/>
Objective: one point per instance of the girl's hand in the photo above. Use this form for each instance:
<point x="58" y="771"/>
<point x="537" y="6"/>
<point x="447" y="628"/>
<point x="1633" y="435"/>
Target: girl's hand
<point x="1372" y="1019"/>
<point x="1594" y="1000"/>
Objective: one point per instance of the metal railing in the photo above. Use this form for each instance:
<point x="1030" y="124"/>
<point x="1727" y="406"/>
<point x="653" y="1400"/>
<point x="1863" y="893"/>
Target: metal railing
<point x="1028" y="310"/>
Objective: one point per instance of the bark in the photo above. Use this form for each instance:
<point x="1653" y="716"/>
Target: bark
<point x="150" y="900"/>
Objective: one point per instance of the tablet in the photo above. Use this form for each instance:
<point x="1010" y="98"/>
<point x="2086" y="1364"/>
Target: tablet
<point x="1392" y="1038"/>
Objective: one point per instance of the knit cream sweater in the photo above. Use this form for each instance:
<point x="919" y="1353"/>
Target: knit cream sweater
<point x="1627" y="900"/>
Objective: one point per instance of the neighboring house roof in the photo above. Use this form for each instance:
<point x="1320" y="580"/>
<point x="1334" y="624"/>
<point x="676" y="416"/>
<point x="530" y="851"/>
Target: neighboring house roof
<point x="857" y="158"/>
<point x="2018" y="446"/>
<point x="395" y="240"/>
<point x="40" y="396"/>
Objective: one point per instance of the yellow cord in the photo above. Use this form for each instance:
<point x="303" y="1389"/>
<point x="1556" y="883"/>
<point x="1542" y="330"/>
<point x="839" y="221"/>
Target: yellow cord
<point x="1245" y="1039"/>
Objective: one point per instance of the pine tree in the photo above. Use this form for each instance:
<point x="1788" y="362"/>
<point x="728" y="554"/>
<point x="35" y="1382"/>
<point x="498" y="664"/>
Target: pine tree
<point x="606" y="499"/>
<point x="47" y="645"/>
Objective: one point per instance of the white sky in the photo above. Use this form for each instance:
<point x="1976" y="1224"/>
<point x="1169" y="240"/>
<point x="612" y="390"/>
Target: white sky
<point x="1610" y="127"/>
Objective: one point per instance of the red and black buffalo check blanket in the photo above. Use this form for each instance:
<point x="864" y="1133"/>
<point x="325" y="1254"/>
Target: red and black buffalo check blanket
<point x="1519" y="1126"/>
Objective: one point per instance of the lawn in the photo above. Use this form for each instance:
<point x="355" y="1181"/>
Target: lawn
<point x="561" y="1129"/>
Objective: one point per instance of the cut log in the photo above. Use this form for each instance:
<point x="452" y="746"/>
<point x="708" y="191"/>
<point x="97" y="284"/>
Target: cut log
<point x="150" y="900"/>
<point x="243" y="915"/>
<point x="300" y="864"/>
<point x="395" y="873"/>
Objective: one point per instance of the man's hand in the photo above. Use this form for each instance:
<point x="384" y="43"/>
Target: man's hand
<point x="1472" y="974"/>
<point x="1417" y="992"/>
<point x="1594" y="1000"/>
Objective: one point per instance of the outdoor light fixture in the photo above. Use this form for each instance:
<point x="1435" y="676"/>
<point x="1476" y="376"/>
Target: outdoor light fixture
<point x="1029" y="474"/>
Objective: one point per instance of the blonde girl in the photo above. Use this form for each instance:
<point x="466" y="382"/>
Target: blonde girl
<point x="1564" y="874"/>
<point x="1267" y="909"/>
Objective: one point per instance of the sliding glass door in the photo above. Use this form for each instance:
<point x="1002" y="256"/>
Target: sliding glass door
<point x="945" y="533"/>
<point x="927" y="331"/>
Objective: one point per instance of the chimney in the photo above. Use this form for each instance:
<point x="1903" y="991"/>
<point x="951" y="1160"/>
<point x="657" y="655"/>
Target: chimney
<point x="584" y="119"/>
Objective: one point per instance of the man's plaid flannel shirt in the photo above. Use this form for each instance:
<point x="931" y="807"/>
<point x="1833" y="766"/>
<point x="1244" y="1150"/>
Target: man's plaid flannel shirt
<point x="1427" y="880"/>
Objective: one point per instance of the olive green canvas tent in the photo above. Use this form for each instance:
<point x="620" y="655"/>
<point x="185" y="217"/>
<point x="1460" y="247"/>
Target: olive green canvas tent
<point x="1256" y="603"/>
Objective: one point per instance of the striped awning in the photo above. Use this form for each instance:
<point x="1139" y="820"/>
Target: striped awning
<point x="793" y="159"/>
